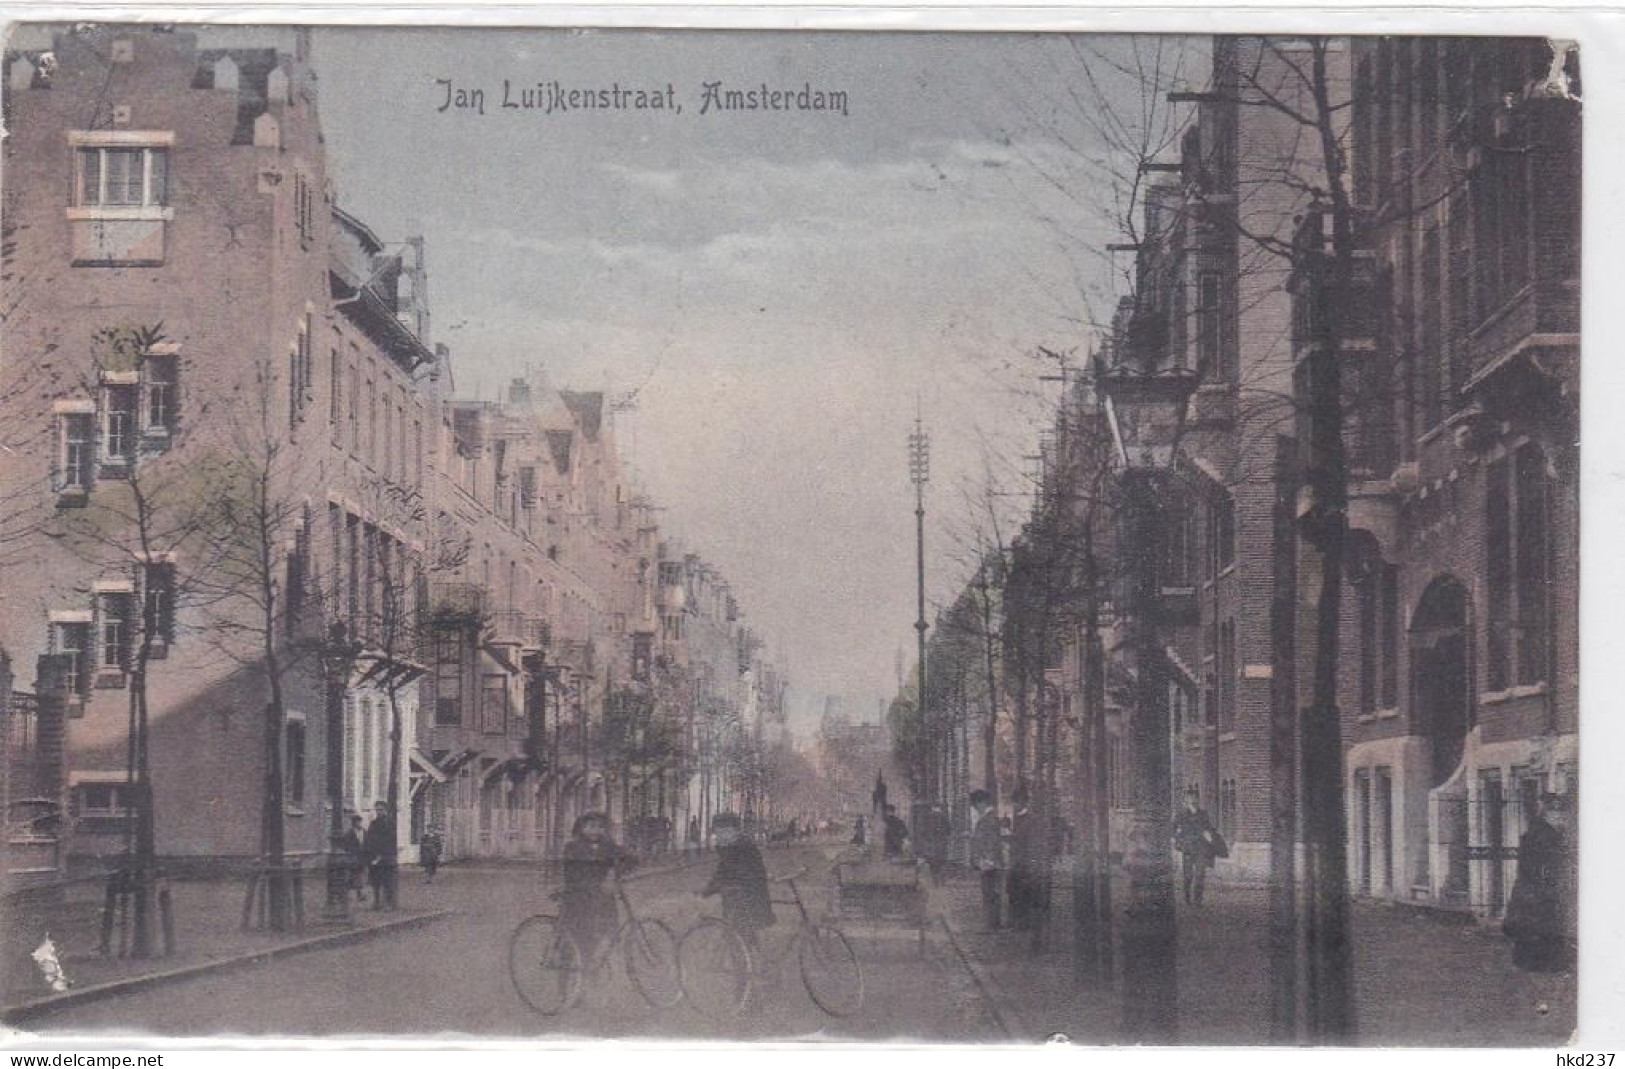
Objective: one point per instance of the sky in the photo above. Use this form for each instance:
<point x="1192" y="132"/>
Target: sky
<point x="781" y="291"/>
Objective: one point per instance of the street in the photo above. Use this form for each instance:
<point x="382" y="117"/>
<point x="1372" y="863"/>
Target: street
<point x="451" y="978"/>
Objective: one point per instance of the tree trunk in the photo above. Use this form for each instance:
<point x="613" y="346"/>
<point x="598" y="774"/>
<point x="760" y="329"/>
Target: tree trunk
<point x="1331" y="962"/>
<point x="1283" y="752"/>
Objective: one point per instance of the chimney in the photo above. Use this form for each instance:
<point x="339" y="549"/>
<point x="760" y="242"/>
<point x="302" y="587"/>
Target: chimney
<point x="519" y="394"/>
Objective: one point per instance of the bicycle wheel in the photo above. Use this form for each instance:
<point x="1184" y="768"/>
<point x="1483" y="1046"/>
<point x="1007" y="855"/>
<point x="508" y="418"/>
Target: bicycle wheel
<point x="830" y="970"/>
<point x="715" y="966"/>
<point x="545" y="965"/>
<point x="651" y="962"/>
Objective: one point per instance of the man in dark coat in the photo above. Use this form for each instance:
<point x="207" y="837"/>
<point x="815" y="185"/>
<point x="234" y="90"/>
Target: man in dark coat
<point x="1539" y="911"/>
<point x="879" y="795"/>
<point x="741" y="879"/>
<point x="1029" y="856"/>
<point x="380" y="848"/>
<point x="986" y="853"/>
<point x="1198" y="843"/>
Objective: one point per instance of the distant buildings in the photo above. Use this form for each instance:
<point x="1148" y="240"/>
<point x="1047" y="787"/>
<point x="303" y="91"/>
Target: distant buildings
<point x="1458" y="682"/>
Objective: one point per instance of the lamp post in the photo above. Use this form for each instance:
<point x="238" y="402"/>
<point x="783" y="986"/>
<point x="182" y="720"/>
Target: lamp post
<point x="338" y="661"/>
<point x="1146" y="412"/>
<point x="919" y="473"/>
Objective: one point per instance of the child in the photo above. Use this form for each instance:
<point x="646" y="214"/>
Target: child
<point x="741" y="879"/>
<point x="588" y="909"/>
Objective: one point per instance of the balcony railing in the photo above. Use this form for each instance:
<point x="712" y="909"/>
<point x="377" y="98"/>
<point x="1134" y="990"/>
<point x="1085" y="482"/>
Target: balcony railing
<point x="459" y="601"/>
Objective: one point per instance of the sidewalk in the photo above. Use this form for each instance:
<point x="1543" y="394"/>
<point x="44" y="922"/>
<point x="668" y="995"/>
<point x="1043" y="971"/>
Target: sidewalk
<point x="1421" y="978"/>
<point x="208" y="932"/>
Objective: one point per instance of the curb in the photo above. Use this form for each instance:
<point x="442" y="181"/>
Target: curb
<point x="40" y="1007"/>
<point x="983" y="985"/>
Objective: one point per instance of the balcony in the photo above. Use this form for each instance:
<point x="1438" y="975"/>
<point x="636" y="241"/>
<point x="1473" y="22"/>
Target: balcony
<point x="1542" y="313"/>
<point x="510" y="628"/>
<point x="458" y="602"/>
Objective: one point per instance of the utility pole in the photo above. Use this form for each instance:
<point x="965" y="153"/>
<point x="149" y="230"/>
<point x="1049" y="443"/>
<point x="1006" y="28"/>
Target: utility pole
<point x="919" y="470"/>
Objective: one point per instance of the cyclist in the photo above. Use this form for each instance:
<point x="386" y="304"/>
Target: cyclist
<point x="588" y="909"/>
<point x="741" y="879"/>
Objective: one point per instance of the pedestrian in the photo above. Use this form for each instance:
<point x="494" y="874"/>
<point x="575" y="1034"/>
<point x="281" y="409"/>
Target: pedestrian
<point x="896" y="840"/>
<point x="986" y="854"/>
<point x="1198" y="842"/>
<point x="588" y="908"/>
<point x="741" y="879"/>
<point x="1541" y="909"/>
<point x="355" y="855"/>
<point x="878" y="797"/>
<point x="1029" y="856"/>
<point x="692" y="838"/>
<point x="381" y="850"/>
<point x="860" y="832"/>
<point x="429" y="851"/>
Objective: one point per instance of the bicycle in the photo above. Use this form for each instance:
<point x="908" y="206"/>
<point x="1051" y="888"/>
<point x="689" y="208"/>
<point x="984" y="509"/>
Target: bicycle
<point x="548" y="968"/>
<point x="718" y="969"/>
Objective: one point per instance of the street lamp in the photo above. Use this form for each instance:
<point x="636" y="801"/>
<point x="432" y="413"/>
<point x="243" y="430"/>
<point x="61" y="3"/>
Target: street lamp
<point x="1145" y="409"/>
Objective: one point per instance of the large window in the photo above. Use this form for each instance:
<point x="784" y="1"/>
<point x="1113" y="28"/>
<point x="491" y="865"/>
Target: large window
<point x="1221" y="534"/>
<point x="1208" y="334"/>
<point x="161" y="376"/>
<point x="114" y="627"/>
<point x="72" y="640"/>
<point x="123" y="177"/>
<point x="1227" y="674"/>
<point x="1517" y="551"/>
<point x="293" y="767"/>
<point x="494" y="711"/>
<point x="158" y="600"/>
<point x="76" y="451"/>
<point x="448" y="678"/>
<point x="119" y="414"/>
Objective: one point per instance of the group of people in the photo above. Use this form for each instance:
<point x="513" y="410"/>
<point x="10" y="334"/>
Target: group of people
<point x="374" y="856"/>
<point x="1012" y="856"/>
<point x="589" y="908"/>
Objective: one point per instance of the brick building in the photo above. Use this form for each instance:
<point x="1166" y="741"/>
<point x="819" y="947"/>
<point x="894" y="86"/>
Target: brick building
<point x="1458" y="676"/>
<point x="192" y="310"/>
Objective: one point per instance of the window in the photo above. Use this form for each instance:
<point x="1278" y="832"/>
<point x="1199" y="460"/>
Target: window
<point x="123" y="177"/>
<point x="304" y="213"/>
<point x="353" y="400"/>
<point x="102" y="800"/>
<point x="1388" y="625"/>
<point x="641" y="656"/>
<point x="158" y="600"/>
<point x="352" y="552"/>
<point x="1179" y="562"/>
<point x="494" y="704"/>
<point x="417" y="452"/>
<point x="335" y="395"/>
<point x="1516" y="508"/>
<point x="448" y="678"/>
<point x="299" y="373"/>
<point x="1207" y="326"/>
<point x="671" y="628"/>
<point x="118" y="424"/>
<point x="1227" y="674"/>
<point x="293" y="763"/>
<point x="113" y="645"/>
<point x="1435" y="355"/>
<point x="76" y="451"/>
<point x="161" y="375"/>
<point x="72" y="640"/>
<point x="1221" y="534"/>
